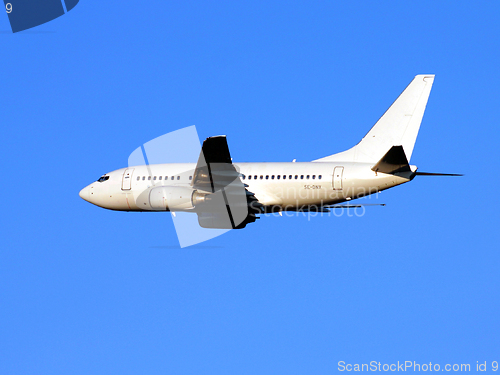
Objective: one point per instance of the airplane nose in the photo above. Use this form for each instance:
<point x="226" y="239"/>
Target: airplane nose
<point x="85" y="194"/>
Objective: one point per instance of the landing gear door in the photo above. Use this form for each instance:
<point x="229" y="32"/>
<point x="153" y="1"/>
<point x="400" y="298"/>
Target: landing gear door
<point x="127" y="179"/>
<point x="337" y="178"/>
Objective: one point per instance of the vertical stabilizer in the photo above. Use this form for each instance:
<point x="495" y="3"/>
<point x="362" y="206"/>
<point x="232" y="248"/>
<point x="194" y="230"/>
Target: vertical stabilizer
<point x="397" y="127"/>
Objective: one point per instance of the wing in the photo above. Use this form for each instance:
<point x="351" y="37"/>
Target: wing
<point x="214" y="169"/>
<point x="228" y="204"/>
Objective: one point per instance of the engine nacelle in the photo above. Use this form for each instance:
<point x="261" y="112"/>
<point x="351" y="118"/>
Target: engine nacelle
<point x="173" y="198"/>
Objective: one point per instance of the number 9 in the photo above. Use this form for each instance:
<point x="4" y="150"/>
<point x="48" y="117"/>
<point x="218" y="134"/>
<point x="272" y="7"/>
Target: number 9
<point x="495" y="365"/>
<point x="8" y="7"/>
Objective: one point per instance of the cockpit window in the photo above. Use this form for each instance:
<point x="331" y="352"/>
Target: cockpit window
<point x="103" y="178"/>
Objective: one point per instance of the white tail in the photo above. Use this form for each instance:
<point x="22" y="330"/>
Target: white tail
<point x="397" y="127"/>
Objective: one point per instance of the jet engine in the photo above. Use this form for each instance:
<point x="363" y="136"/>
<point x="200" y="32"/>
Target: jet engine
<point x="173" y="198"/>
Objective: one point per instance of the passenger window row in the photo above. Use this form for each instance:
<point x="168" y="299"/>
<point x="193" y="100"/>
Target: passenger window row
<point x="154" y="178"/>
<point x="243" y="177"/>
<point x="278" y="177"/>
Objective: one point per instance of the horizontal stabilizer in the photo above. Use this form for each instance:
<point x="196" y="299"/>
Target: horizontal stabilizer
<point x="436" y="174"/>
<point x="393" y="161"/>
<point x="354" y="205"/>
<point x="327" y="208"/>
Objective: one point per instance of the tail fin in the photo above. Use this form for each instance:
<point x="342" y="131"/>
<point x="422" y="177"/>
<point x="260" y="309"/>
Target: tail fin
<point x="397" y="127"/>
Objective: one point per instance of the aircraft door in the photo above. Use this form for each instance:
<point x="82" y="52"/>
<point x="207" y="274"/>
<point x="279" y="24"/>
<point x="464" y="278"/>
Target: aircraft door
<point x="127" y="179"/>
<point x="337" y="178"/>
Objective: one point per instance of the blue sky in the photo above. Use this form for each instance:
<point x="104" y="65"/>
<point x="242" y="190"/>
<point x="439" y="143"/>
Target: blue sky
<point x="84" y="290"/>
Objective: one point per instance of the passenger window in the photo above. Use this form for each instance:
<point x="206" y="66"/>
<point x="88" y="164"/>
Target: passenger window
<point x="307" y="177"/>
<point x="143" y="178"/>
<point x="154" y="178"/>
<point x="190" y="177"/>
<point x="138" y="178"/>
<point x="296" y="176"/>
<point x="290" y="177"/>
<point x="261" y="177"/>
<point x="301" y="176"/>
<point x="272" y="177"/>
<point x="149" y="178"/>
<point x="255" y="177"/>
<point x="166" y="177"/>
<point x="314" y="176"/>
<point x="278" y="177"/>
<point x="172" y="177"/>
<point x="267" y="177"/>
<point x="159" y="177"/>
<point x="250" y="177"/>
<point x="242" y="176"/>
<point x="319" y="177"/>
<point x="178" y="177"/>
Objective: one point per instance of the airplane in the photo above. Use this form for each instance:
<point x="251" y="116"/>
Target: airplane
<point x="231" y="195"/>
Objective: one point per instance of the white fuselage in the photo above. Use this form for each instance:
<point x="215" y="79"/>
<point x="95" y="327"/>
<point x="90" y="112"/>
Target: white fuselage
<point x="336" y="178"/>
<point x="283" y="186"/>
